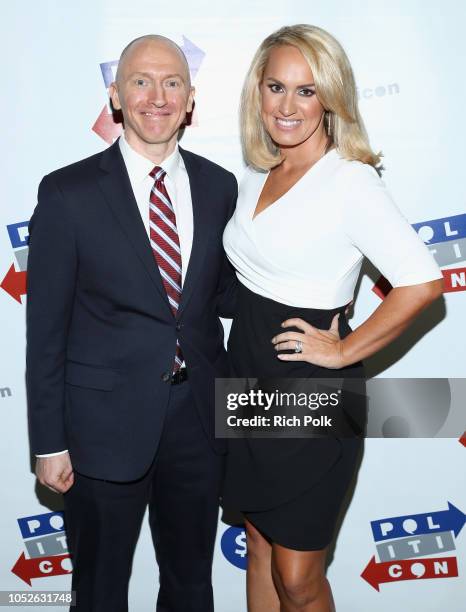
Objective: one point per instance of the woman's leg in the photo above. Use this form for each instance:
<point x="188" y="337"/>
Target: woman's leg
<point x="300" y="580"/>
<point x="261" y="593"/>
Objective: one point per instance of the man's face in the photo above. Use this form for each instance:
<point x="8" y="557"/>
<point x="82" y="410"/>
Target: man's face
<point x="153" y="93"/>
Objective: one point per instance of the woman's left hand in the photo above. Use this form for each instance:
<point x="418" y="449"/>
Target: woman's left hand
<point x="319" y="346"/>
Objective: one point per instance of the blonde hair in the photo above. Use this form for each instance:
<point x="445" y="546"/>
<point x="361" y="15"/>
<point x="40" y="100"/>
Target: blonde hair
<point x="335" y="89"/>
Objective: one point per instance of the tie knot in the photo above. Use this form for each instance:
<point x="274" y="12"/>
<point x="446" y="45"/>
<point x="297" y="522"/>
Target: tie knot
<point x="157" y="173"/>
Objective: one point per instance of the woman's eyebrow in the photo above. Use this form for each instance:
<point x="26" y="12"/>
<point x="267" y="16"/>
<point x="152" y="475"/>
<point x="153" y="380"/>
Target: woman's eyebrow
<point x="282" y="84"/>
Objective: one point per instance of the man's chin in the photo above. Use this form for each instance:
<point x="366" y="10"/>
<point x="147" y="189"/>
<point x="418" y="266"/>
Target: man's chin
<point x="157" y="139"/>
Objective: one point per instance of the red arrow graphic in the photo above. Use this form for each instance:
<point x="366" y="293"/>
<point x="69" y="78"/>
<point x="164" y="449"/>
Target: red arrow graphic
<point x="462" y="440"/>
<point x="106" y="127"/>
<point x="409" y="569"/>
<point x="41" y="567"/>
<point x="14" y="283"/>
<point x="382" y="287"/>
<point x="454" y="278"/>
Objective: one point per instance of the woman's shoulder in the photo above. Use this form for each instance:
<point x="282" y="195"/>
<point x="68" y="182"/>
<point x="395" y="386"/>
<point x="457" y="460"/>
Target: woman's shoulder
<point x="251" y="173"/>
<point x="355" y="173"/>
<point x="251" y="177"/>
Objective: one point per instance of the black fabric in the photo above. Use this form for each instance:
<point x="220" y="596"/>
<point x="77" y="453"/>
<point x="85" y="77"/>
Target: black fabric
<point x="182" y="486"/>
<point x="278" y="482"/>
<point x="101" y="335"/>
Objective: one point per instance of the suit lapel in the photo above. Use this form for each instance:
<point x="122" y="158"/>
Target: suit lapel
<point x="116" y="187"/>
<point x="201" y="212"/>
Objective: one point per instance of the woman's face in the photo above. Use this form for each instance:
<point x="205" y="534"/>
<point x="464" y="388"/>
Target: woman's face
<point x="291" y="112"/>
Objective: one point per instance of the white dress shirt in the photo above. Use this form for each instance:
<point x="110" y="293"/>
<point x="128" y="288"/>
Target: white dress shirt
<point x="306" y="249"/>
<point x="177" y="184"/>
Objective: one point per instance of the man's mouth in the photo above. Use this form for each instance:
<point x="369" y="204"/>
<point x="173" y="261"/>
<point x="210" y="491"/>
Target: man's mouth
<point x="154" y="115"/>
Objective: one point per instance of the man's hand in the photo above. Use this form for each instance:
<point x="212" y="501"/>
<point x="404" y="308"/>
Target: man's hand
<point x="56" y="473"/>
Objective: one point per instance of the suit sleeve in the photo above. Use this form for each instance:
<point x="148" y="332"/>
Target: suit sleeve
<point x="51" y="279"/>
<point x="228" y="283"/>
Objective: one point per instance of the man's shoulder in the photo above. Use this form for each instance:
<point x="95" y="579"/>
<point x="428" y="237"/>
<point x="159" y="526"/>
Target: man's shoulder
<point x="78" y="171"/>
<point x="207" y="165"/>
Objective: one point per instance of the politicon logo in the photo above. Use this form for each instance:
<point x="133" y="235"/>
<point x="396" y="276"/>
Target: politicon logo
<point x="5" y="392"/>
<point x="105" y="125"/>
<point x="446" y="240"/>
<point x="45" y="542"/>
<point x="14" y="281"/>
<point x="415" y="547"/>
<point x="379" y="91"/>
<point x="234" y="548"/>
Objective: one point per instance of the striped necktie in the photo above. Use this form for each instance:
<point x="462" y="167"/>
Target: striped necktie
<point x="166" y="245"/>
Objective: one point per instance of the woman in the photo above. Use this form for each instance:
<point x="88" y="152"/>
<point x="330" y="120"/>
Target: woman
<point x="311" y="205"/>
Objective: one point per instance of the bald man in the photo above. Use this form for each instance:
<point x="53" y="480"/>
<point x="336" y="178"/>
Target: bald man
<point x="127" y="280"/>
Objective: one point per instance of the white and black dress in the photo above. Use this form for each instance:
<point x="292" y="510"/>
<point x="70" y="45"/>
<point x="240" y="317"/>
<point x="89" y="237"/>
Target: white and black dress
<point x="301" y="257"/>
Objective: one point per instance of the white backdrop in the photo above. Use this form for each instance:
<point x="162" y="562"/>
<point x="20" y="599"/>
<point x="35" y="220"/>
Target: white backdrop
<point x="408" y="61"/>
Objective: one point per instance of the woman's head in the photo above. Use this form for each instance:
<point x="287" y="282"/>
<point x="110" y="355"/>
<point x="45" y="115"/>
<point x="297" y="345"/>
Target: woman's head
<point x="295" y="53"/>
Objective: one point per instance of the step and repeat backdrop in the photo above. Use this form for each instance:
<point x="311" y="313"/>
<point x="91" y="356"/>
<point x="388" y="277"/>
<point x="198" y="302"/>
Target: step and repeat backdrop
<point x="400" y="543"/>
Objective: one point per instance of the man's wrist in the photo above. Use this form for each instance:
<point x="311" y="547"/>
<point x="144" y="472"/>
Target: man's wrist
<point x="53" y="454"/>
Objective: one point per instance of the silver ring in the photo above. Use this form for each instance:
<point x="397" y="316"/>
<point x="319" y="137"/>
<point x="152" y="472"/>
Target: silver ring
<point x="299" y="347"/>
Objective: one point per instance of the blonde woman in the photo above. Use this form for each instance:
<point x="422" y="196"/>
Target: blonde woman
<point x="310" y="207"/>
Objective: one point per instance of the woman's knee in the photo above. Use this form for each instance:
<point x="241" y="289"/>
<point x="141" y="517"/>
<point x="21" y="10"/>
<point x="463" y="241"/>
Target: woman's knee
<point x="298" y="580"/>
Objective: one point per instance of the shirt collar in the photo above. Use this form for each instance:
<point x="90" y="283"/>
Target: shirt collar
<point x="139" y="166"/>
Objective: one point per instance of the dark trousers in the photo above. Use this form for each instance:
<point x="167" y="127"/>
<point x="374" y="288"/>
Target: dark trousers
<point x="182" y="487"/>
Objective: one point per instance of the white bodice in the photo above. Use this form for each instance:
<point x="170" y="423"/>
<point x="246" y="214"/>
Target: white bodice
<point x="307" y="248"/>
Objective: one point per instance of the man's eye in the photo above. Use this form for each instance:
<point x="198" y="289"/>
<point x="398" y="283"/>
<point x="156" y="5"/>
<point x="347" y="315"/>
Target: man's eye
<point x="140" y="82"/>
<point x="173" y="83"/>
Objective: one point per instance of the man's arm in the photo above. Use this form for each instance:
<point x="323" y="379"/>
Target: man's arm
<point x="51" y="278"/>
<point x="228" y="284"/>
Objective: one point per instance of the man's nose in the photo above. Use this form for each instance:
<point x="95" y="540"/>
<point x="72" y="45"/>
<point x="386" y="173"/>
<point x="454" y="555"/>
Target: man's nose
<point x="158" y="96"/>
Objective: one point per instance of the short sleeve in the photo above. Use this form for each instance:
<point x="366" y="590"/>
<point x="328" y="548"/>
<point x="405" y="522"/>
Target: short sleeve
<point x="376" y="227"/>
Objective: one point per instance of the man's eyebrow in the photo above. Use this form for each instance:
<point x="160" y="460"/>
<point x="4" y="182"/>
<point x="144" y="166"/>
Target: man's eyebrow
<point x="138" y="73"/>
<point x="150" y="76"/>
<point x="175" y="75"/>
<point x="282" y="85"/>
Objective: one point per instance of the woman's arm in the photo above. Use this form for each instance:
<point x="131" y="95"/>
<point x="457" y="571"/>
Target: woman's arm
<point x="325" y="347"/>
<point x="397" y="311"/>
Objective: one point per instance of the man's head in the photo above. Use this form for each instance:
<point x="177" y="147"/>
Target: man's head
<point x="153" y="90"/>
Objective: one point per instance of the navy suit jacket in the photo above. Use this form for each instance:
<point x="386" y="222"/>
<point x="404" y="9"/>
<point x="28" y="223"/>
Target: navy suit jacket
<point x="100" y="332"/>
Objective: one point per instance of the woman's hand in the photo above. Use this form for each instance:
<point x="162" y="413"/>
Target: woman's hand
<point x="319" y="346"/>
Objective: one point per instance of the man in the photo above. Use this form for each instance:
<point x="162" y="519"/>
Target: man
<point x="126" y="281"/>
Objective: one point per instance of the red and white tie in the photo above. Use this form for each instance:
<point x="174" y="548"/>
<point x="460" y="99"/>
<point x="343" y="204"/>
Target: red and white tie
<point x="165" y="245"/>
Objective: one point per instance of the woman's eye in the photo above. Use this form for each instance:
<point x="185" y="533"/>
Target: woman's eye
<point x="274" y="88"/>
<point x="307" y="92"/>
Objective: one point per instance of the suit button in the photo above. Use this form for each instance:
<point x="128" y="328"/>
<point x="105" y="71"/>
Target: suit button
<point x="179" y="326"/>
<point x="166" y="377"/>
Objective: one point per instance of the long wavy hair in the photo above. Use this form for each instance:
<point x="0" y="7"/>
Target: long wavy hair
<point x="335" y="89"/>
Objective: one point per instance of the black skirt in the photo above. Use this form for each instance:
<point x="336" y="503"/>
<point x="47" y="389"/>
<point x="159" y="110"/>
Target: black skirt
<point x="291" y="489"/>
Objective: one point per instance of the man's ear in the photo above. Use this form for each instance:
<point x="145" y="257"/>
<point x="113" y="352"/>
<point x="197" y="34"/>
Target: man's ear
<point x="113" y="93"/>
<point x="190" y="105"/>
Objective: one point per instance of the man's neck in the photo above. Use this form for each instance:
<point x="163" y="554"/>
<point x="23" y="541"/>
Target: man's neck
<point x="156" y="153"/>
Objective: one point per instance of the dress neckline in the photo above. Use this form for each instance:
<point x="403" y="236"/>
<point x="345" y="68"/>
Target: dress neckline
<point x="253" y="216"/>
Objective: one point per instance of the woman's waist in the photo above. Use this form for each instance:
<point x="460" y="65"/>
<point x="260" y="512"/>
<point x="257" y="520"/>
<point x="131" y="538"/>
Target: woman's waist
<point x="305" y="294"/>
<point x="254" y="306"/>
